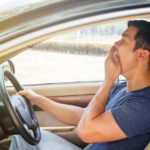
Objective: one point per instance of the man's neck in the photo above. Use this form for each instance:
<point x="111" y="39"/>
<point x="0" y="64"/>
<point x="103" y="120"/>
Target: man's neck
<point x="136" y="86"/>
<point x="138" y="81"/>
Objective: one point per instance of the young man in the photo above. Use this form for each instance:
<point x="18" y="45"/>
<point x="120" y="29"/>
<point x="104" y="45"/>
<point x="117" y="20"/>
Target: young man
<point x="116" y="118"/>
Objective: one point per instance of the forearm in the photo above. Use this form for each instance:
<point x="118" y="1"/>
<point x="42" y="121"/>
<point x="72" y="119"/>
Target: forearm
<point x="97" y="105"/>
<point x="66" y="113"/>
<point x="95" y="124"/>
<point x="77" y="100"/>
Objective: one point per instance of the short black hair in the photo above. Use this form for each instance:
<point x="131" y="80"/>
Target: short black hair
<point x="142" y="36"/>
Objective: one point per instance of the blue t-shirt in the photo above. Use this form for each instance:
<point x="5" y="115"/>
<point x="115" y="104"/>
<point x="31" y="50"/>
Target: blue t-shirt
<point x="131" y="111"/>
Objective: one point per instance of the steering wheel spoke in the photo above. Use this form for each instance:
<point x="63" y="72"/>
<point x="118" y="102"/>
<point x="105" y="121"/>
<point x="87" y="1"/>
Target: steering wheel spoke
<point x="31" y="132"/>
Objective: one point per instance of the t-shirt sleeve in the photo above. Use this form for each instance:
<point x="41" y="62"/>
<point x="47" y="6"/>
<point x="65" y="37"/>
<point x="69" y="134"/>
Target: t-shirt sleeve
<point x="133" y="117"/>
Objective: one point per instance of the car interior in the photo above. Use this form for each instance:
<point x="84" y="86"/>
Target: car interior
<point x="23" y="36"/>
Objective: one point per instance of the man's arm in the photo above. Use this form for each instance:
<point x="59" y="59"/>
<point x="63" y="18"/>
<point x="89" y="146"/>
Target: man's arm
<point x="77" y="100"/>
<point x="96" y="125"/>
<point x="68" y="114"/>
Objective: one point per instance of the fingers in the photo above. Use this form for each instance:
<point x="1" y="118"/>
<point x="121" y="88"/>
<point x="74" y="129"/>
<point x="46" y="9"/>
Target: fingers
<point x="23" y="93"/>
<point x="116" y="57"/>
<point x="112" y="65"/>
<point x="110" y="54"/>
<point x="113" y="55"/>
<point x="23" y="88"/>
<point x="14" y="90"/>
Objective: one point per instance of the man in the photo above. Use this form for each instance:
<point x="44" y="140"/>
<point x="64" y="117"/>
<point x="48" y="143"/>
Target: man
<point x="116" y="118"/>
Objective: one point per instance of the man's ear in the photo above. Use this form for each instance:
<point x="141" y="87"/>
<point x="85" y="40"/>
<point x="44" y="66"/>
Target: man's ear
<point x="142" y="54"/>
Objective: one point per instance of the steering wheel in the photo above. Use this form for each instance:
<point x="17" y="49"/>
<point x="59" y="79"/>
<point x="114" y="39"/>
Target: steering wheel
<point x="19" y="110"/>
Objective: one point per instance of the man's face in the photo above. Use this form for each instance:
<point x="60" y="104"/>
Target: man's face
<point x="125" y="48"/>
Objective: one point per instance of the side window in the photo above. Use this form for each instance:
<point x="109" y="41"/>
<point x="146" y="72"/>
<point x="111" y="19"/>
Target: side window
<point x="71" y="57"/>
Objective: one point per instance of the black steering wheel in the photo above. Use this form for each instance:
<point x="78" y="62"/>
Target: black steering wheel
<point x="19" y="110"/>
